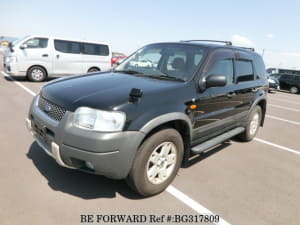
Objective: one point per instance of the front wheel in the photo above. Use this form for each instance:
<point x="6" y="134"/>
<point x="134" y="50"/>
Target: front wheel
<point x="36" y="74"/>
<point x="253" y="124"/>
<point x="294" y="90"/>
<point x="156" y="163"/>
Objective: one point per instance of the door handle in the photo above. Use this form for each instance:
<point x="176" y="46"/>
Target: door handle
<point x="45" y="55"/>
<point x="231" y="94"/>
<point x="57" y="56"/>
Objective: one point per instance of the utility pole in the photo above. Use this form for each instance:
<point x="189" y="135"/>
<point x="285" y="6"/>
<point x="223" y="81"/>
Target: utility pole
<point x="263" y="52"/>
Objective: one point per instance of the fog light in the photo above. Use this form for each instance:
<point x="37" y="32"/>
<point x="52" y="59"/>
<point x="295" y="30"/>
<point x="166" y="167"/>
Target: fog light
<point x="89" y="165"/>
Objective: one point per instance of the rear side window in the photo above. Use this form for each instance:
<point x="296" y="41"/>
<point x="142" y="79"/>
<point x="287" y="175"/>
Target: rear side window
<point x="74" y="47"/>
<point x="79" y="47"/>
<point x="286" y="77"/>
<point x="37" y="43"/>
<point x="95" y="49"/>
<point x="61" y="46"/>
<point x="244" y="70"/>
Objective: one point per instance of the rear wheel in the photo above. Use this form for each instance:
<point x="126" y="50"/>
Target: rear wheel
<point x="36" y="74"/>
<point x="294" y="90"/>
<point x="156" y="163"/>
<point x="93" y="70"/>
<point x="253" y="124"/>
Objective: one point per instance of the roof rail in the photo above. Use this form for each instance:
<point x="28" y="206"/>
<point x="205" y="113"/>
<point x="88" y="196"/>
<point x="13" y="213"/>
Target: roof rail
<point x="225" y="42"/>
<point x="252" y="49"/>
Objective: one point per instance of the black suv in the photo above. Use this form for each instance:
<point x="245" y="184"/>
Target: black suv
<point x="290" y="83"/>
<point x="162" y="104"/>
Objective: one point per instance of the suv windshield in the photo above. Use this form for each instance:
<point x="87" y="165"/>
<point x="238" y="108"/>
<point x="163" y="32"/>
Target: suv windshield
<point x="164" y="61"/>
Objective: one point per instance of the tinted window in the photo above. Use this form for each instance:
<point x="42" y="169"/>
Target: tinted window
<point x="75" y="47"/>
<point x="95" y="49"/>
<point x="223" y="67"/>
<point x="62" y="46"/>
<point x="37" y="43"/>
<point x="244" y="70"/>
<point x="286" y="77"/>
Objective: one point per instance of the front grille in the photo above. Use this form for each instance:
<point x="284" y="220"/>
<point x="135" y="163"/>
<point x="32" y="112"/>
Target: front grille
<point x="52" y="110"/>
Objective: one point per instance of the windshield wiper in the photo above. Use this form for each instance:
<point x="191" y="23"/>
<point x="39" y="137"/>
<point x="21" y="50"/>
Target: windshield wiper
<point x="129" y="72"/>
<point x="167" y="77"/>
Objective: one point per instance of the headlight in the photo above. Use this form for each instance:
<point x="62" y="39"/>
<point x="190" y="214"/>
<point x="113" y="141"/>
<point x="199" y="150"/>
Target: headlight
<point x="271" y="81"/>
<point x="11" y="59"/>
<point x="99" y="120"/>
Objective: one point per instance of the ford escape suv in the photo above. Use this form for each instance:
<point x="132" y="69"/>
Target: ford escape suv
<point x="142" y="120"/>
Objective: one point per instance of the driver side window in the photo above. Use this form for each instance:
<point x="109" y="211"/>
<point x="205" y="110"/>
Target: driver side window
<point x="37" y="43"/>
<point x="223" y="67"/>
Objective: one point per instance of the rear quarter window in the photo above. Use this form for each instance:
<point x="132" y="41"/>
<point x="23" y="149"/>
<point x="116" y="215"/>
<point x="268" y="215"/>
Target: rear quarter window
<point x="260" y="67"/>
<point x="61" y="46"/>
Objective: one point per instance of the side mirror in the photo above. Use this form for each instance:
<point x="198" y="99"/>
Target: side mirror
<point x="216" y="81"/>
<point x="23" y="46"/>
<point x="118" y="62"/>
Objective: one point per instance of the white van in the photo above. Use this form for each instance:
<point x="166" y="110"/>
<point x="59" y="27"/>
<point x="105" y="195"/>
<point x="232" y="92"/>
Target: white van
<point x="36" y="57"/>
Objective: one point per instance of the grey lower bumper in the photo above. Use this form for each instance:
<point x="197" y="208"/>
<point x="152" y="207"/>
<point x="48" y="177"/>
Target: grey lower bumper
<point x="52" y="150"/>
<point x="108" y="154"/>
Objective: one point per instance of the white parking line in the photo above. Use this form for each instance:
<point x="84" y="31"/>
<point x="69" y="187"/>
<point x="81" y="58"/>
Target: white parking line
<point x="192" y="204"/>
<point x="278" y="146"/>
<point x="171" y="190"/>
<point x="283" y="107"/>
<point x="18" y="83"/>
<point x="282" y="100"/>
<point x="285" y="120"/>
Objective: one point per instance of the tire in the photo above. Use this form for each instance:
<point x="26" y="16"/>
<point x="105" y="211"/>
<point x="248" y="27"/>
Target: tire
<point x="151" y="173"/>
<point x="294" y="90"/>
<point x="253" y="124"/>
<point x="36" y="74"/>
<point x="93" y="70"/>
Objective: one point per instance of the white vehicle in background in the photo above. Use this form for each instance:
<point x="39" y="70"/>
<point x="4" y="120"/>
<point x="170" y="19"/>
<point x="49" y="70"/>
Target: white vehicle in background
<point x="37" y="57"/>
<point x="142" y="63"/>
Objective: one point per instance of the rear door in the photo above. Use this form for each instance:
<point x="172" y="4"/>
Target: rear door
<point x="67" y="57"/>
<point x="246" y="81"/>
<point x="96" y="56"/>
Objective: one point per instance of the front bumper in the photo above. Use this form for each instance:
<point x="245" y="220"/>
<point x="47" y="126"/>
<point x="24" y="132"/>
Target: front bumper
<point x="13" y="69"/>
<point x="108" y="154"/>
<point x="274" y="86"/>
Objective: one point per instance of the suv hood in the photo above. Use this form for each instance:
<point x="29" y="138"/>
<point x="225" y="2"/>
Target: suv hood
<point x="102" y="90"/>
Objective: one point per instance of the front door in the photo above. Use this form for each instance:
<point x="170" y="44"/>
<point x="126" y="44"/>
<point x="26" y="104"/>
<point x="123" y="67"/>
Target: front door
<point x="216" y="106"/>
<point x="34" y="51"/>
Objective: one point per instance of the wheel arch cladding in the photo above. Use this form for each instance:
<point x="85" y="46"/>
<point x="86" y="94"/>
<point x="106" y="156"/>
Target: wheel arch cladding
<point x="263" y="104"/>
<point x="177" y="121"/>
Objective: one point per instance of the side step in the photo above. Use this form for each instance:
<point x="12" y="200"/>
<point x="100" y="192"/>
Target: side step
<point x="217" y="140"/>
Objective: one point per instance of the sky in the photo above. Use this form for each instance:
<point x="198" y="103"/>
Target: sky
<point x="271" y="27"/>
